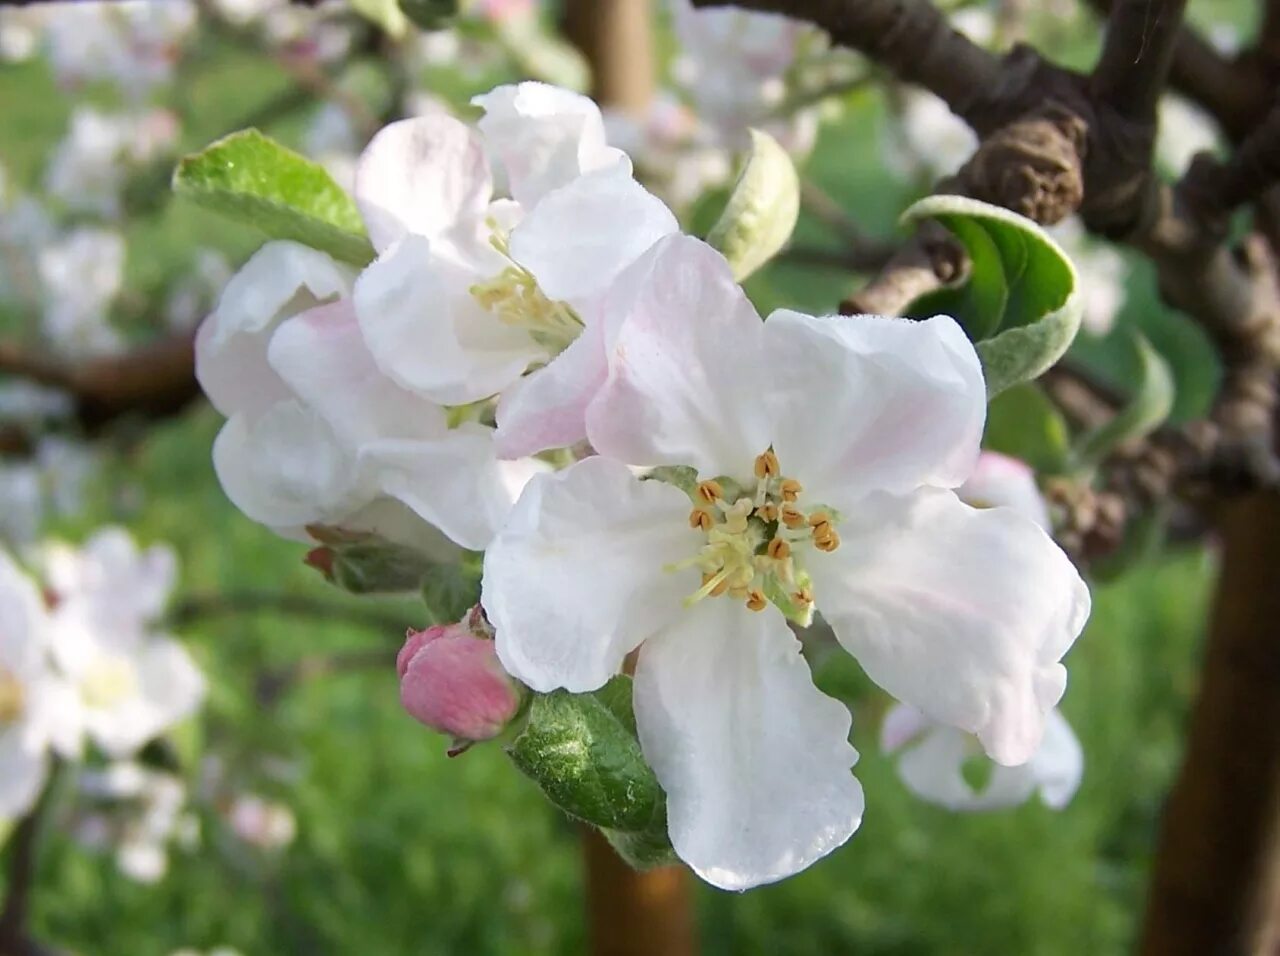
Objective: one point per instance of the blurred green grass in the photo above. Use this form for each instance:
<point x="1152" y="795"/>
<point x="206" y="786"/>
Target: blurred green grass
<point x="401" y="850"/>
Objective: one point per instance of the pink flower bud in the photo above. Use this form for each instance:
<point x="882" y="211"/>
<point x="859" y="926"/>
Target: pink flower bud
<point x="452" y="681"/>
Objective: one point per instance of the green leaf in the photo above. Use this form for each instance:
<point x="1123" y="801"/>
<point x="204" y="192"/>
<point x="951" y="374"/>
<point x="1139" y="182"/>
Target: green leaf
<point x="430" y="14"/>
<point x="251" y="178"/>
<point x="1146" y="411"/>
<point x="762" y="209"/>
<point x="1020" y="355"/>
<point x="645" y="850"/>
<point x="588" y="763"/>
<point x="364" y="563"/>
<point x="1019" y="303"/>
<point x="450" y="590"/>
<point x="1023" y="423"/>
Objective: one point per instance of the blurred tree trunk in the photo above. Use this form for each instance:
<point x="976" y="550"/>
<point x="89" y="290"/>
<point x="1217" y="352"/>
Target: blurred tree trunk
<point x="616" y="37"/>
<point x="1219" y="845"/>
<point x="631" y="913"/>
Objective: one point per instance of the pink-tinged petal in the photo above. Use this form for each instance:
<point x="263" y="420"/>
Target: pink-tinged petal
<point x="865" y="403"/>
<point x="422" y="176"/>
<point x="455" y="482"/>
<point x="578" y="238"/>
<point x="754" y="759"/>
<point x="575" y="580"/>
<point x="427" y="331"/>
<point x="279" y="280"/>
<point x="998" y="481"/>
<point x="321" y="355"/>
<point x="687" y="365"/>
<point x="902" y="724"/>
<point x="455" y="685"/>
<point x="962" y="613"/>
<point x="284" y="469"/>
<point x="1059" y="763"/>
<point x="544" y="137"/>
<point x="547" y="408"/>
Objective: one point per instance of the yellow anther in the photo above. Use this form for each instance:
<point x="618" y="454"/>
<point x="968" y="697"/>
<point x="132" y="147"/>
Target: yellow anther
<point x="819" y="518"/>
<point x="828" y="542"/>
<point x="803" y="596"/>
<point x="792" y="516"/>
<point x="767" y="465"/>
<point x="756" y="600"/>
<point x="710" y="490"/>
<point x="13" y="698"/>
<point x="700" y="519"/>
<point x="790" y="489"/>
<point x="767" y="512"/>
<point x="778" y="549"/>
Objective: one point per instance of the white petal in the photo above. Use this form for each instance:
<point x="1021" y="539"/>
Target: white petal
<point x="22" y="774"/>
<point x="24" y="623"/>
<point x="321" y="355"/>
<point x="456" y="482"/>
<point x="427" y="331"/>
<point x="575" y="579"/>
<point x="422" y="176"/>
<point x="686" y="365"/>
<point x="279" y="280"/>
<point x="962" y="613"/>
<point x="1059" y="763"/>
<point x="866" y="403"/>
<point x="56" y="717"/>
<point x="284" y="469"/>
<point x="171" y="683"/>
<point x="544" y="137"/>
<point x="933" y="769"/>
<point x="755" y="760"/>
<point x="578" y="238"/>
<point x="1000" y="481"/>
<point x="547" y="408"/>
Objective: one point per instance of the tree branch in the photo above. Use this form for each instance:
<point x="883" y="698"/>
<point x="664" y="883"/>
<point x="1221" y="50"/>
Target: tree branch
<point x="1131" y="72"/>
<point x="23" y="846"/>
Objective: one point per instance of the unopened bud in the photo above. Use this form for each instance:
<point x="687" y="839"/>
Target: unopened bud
<point x="451" y="681"/>
<point x="322" y="560"/>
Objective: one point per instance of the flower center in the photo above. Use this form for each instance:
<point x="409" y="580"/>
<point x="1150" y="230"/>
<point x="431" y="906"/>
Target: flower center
<point x="757" y="543"/>
<point x="110" y="681"/>
<point x="514" y="298"/>
<point x="12" y="698"/>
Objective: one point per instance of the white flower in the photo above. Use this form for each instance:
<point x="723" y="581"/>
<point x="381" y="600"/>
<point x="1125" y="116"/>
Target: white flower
<point x="934" y="757"/>
<point x="928" y="140"/>
<point x="469" y="294"/>
<point x="88" y="168"/>
<point x="265" y="824"/>
<point x="38" y="711"/>
<point x="1103" y="274"/>
<point x="143" y="813"/>
<point x="80" y="276"/>
<point x="1184" y="130"/>
<point x="132" y="682"/>
<point x="826" y="448"/>
<point x="318" y="435"/>
<point x="133" y="43"/>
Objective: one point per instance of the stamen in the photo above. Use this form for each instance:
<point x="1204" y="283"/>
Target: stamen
<point x="803" y="596"/>
<point x="756" y="600"/>
<point x="778" y="549"/>
<point x="828" y="542"/>
<point x="710" y="490"/>
<point x="767" y="465"/>
<point x="790" y="489"/>
<point x="767" y="513"/>
<point x="700" y="519"/>
<point x="792" y="516"/>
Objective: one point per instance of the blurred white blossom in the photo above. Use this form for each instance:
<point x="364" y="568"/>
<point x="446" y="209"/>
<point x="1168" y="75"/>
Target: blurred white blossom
<point x="89" y="167"/>
<point x="80" y="275"/>
<point x="264" y="824"/>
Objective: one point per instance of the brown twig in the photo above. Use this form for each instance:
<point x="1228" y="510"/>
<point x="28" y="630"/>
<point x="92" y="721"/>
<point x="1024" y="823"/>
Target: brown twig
<point x="23" y="847"/>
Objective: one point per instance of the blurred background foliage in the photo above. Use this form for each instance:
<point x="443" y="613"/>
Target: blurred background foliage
<point x="401" y="849"/>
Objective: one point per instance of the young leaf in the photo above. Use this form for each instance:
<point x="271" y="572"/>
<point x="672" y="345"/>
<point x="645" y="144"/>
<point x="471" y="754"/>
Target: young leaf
<point x="588" y="763"/>
<point x="1148" y="408"/>
<point x="762" y="210"/>
<point x="251" y="178"/>
<point x="1019" y="303"/>
<point x="646" y="849"/>
<point x="450" y="590"/>
<point x="1024" y="424"/>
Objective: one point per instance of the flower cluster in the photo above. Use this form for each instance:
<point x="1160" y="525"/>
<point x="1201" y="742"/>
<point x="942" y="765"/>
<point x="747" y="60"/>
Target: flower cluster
<point x="81" y="657"/>
<point x="684" y="482"/>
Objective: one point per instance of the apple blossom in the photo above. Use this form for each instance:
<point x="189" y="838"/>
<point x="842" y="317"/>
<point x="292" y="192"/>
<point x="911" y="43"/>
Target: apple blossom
<point x="933" y="757"/>
<point x="39" y="713"/>
<point x="80" y="275"/>
<point x="469" y="294"/>
<point x="137" y="813"/>
<point x="317" y="435"/>
<point x="264" y="824"/>
<point x="825" y="450"/>
<point x="451" y="681"/>
<point x="133" y="683"/>
<point x="88" y="169"/>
